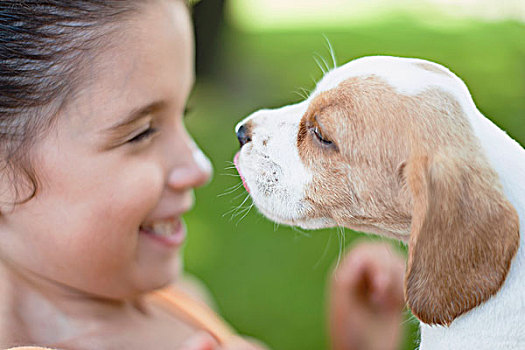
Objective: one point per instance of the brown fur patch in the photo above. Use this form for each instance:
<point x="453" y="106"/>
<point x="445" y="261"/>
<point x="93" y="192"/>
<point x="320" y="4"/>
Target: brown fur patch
<point x="411" y="164"/>
<point x="464" y="235"/>
<point x="355" y="185"/>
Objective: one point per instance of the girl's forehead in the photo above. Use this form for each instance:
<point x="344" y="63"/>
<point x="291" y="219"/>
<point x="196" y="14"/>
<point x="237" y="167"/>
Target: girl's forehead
<point x="151" y="61"/>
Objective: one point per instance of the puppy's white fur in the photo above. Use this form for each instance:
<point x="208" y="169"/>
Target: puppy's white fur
<point x="278" y="180"/>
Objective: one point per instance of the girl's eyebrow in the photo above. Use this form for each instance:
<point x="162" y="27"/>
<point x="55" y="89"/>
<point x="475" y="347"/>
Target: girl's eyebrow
<point x="137" y="114"/>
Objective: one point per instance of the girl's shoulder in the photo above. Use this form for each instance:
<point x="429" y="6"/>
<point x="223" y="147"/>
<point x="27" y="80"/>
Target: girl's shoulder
<point x="169" y="317"/>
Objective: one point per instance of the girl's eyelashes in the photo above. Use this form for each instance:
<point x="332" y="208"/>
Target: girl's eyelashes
<point x="146" y="134"/>
<point x="150" y="130"/>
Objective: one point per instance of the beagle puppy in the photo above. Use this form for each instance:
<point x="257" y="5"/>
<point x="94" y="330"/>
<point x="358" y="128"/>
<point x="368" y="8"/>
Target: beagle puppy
<point x="396" y="147"/>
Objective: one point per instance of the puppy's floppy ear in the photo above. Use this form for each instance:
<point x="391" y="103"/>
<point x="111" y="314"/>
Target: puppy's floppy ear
<point x="464" y="234"/>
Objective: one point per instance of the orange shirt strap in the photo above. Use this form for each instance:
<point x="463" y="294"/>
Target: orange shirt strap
<point x="195" y="312"/>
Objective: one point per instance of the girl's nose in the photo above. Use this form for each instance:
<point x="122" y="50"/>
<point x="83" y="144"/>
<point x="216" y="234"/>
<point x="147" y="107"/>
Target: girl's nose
<point x="195" y="172"/>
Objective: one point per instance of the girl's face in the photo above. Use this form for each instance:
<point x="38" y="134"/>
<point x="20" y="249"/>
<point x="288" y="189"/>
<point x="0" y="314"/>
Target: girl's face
<point x="117" y="171"/>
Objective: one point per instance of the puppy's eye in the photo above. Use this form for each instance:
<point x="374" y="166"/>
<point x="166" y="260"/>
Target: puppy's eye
<point x="320" y="137"/>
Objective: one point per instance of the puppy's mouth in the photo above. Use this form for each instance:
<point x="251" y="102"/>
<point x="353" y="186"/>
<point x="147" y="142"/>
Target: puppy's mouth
<point x="236" y="163"/>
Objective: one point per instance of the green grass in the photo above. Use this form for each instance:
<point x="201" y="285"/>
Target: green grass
<point x="270" y="281"/>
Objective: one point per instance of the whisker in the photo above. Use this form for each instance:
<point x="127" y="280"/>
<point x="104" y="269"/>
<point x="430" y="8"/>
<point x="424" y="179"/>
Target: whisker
<point x="341" y="237"/>
<point x="305" y="234"/>
<point x="344" y="237"/>
<point x="306" y="93"/>
<point x="324" y="251"/>
<point x="233" y="212"/>
<point x="242" y="211"/>
<point x="325" y="63"/>
<point x="229" y="211"/>
<point x="239" y="207"/>
<point x="301" y="94"/>
<point x="332" y="52"/>
<point x="234" y="186"/>
<point x="230" y="190"/>
<point x="410" y="318"/>
<point x="240" y="194"/>
<point x="233" y="175"/>
<point x="319" y="65"/>
<point x="236" y="208"/>
<point x="247" y="212"/>
<point x="239" y="212"/>
<point x="245" y="199"/>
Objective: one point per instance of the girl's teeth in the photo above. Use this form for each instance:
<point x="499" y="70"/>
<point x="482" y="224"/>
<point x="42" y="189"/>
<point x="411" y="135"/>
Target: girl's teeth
<point x="160" y="228"/>
<point x="163" y="228"/>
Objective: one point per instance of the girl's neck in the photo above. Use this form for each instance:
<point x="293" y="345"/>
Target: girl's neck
<point x="34" y="310"/>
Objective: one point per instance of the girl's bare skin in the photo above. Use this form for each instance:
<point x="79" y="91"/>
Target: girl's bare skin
<point x="116" y="169"/>
<point x="76" y="263"/>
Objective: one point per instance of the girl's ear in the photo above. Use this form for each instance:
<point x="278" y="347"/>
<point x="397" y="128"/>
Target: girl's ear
<point x="464" y="234"/>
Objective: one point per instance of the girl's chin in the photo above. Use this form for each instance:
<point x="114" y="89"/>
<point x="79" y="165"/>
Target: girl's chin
<point x="157" y="275"/>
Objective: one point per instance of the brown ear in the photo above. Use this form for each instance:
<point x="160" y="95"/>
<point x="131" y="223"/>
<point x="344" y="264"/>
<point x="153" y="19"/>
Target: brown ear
<point x="464" y="234"/>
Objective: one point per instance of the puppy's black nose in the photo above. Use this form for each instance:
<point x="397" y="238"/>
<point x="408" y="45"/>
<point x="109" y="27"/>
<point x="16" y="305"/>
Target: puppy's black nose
<point x="244" y="135"/>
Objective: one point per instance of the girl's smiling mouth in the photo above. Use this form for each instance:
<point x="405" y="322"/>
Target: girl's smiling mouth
<point x="169" y="232"/>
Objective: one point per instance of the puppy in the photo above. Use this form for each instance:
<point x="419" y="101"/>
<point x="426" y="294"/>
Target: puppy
<point x="396" y="147"/>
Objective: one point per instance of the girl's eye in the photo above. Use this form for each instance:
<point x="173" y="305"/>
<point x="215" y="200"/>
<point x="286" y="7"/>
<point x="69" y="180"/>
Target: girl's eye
<point x="143" y="135"/>
<point x="319" y="136"/>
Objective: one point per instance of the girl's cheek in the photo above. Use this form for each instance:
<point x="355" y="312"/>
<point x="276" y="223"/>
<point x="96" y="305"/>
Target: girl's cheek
<point x="142" y="190"/>
<point x="151" y="182"/>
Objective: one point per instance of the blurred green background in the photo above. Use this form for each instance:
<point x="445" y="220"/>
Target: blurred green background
<point x="269" y="281"/>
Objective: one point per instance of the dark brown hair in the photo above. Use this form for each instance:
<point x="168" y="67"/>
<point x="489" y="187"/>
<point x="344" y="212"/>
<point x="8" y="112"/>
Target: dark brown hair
<point x="43" y="45"/>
